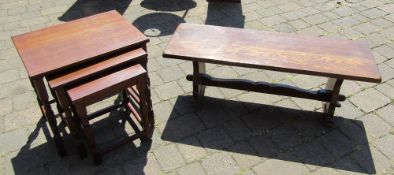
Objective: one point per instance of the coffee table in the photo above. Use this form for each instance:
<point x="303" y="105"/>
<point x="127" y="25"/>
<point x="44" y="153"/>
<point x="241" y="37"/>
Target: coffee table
<point x="62" y="47"/>
<point x="318" y="56"/>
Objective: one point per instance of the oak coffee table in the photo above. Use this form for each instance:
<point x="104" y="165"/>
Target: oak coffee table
<point x="326" y="57"/>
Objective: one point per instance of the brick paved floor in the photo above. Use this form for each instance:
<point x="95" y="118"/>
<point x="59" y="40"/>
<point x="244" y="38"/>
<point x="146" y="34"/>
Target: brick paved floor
<point x="233" y="132"/>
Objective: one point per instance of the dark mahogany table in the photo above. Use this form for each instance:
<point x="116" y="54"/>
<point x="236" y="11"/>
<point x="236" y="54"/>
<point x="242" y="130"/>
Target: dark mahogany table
<point x="318" y="56"/>
<point x="54" y="49"/>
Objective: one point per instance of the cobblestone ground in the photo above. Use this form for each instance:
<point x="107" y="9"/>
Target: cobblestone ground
<point x="232" y="132"/>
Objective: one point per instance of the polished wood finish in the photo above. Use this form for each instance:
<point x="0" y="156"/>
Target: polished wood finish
<point x="321" y="56"/>
<point x="327" y="57"/>
<point x="46" y="50"/>
<point x="108" y="85"/>
<point x="97" y="68"/>
<point x="89" y="92"/>
<point x="63" y="47"/>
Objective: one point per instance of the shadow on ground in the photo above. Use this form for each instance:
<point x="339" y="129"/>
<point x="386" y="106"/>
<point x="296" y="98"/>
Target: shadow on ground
<point x="83" y="8"/>
<point x="270" y="132"/>
<point x="168" y="5"/>
<point x="225" y="14"/>
<point x="43" y="159"/>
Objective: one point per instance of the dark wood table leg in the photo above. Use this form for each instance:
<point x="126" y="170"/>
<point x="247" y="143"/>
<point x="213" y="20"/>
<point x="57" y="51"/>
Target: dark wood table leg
<point x="47" y="112"/>
<point x="334" y="85"/>
<point x="73" y="123"/>
<point x="198" y="88"/>
<point x="144" y="63"/>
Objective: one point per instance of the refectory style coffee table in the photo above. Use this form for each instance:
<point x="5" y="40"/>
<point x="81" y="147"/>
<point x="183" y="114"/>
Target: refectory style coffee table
<point x="326" y="57"/>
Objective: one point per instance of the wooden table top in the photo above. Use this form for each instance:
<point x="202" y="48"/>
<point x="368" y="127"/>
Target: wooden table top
<point x="284" y="52"/>
<point x="56" y="47"/>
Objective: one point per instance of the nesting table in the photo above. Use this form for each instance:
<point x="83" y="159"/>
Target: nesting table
<point x="338" y="60"/>
<point x="66" y="46"/>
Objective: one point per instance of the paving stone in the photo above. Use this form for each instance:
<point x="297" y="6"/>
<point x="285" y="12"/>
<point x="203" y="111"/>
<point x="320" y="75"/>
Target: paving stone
<point x="220" y="164"/>
<point x="292" y="15"/>
<point x="237" y="130"/>
<point x="264" y="120"/>
<point x="181" y="127"/>
<point x="347" y="166"/>
<point x="286" y="137"/>
<point x="387" y="72"/>
<point x="171" y="73"/>
<point x="275" y="166"/>
<point x="9" y="143"/>
<point x="215" y="138"/>
<point x="6" y="106"/>
<point x="155" y="79"/>
<point x="22" y="118"/>
<point x="192" y="169"/>
<point x="316" y="19"/>
<point x="8" y="76"/>
<point x="387" y="113"/>
<point x="371" y="160"/>
<point x="375" y="126"/>
<point x="142" y="165"/>
<point x="270" y="11"/>
<point x="307" y="153"/>
<point x="367" y="28"/>
<point x="369" y="100"/>
<point x="273" y="20"/>
<point x="330" y="27"/>
<point x="299" y="24"/>
<point x="191" y="149"/>
<point x="383" y="23"/>
<point x="336" y="143"/>
<point x="244" y="155"/>
<point x="385" y="145"/>
<point x="291" y="6"/>
<point x="308" y="82"/>
<point x="387" y="8"/>
<point x="348" y="110"/>
<point x="385" y="51"/>
<point x="373" y="13"/>
<point x="325" y="170"/>
<point x="169" y="157"/>
<point x="264" y="146"/>
<point x="212" y="112"/>
<point x="163" y="111"/>
<point x="312" y="31"/>
<point x="307" y="104"/>
<point x="386" y="90"/>
<point x="168" y="90"/>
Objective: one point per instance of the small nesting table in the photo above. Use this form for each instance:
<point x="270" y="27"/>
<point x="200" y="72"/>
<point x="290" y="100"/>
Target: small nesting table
<point x="55" y="49"/>
<point x="326" y="57"/>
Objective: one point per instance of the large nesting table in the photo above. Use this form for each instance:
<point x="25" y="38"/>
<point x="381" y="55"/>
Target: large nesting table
<point x="318" y="56"/>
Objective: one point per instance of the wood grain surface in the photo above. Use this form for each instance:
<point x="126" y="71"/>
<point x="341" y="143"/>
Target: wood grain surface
<point x="97" y="68"/>
<point x="321" y="56"/>
<point x="55" y="47"/>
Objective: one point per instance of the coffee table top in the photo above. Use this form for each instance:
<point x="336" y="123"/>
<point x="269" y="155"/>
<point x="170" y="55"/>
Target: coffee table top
<point x="284" y="52"/>
<point x="56" y="47"/>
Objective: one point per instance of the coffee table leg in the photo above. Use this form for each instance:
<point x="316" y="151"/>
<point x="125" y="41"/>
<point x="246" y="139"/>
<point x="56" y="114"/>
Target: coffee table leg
<point x="42" y="97"/>
<point x="334" y="85"/>
<point x="198" y="89"/>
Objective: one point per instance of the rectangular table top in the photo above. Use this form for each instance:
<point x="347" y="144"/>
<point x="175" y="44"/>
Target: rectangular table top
<point x="321" y="56"/>
<point x="56" y="47"/>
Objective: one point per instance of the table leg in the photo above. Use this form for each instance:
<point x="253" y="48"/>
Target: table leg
<point x="198" y="88"/>
<point x="42" y="97"/>
<point x="151" y="118"/>
<point x="334" y="85"/>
